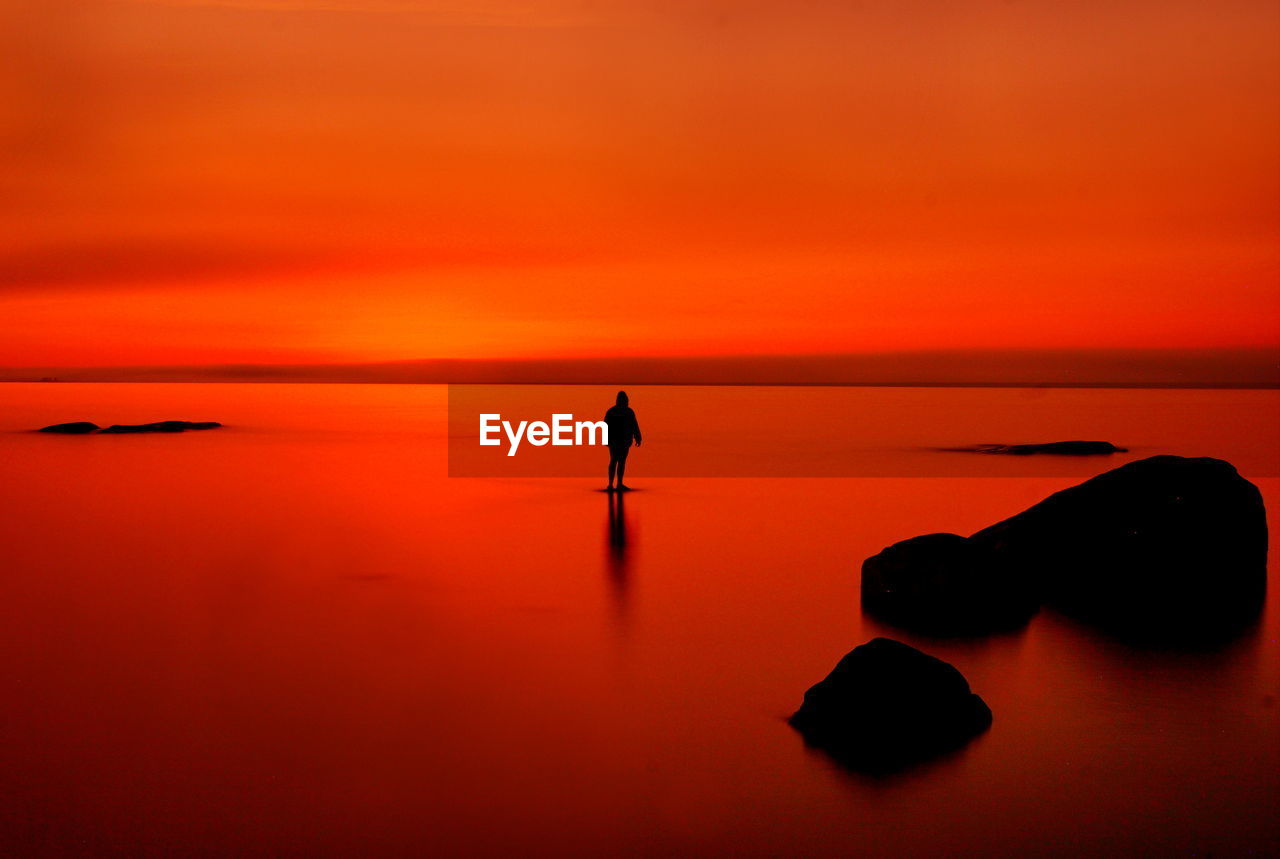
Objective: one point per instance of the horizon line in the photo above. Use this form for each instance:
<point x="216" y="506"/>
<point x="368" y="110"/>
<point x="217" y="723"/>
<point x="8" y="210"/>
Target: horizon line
<point x="1230" y="367"/>
<point x="1190" y="386"/>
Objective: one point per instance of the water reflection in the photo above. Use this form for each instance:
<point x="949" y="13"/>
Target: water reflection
<point x="869" y="781"/>
<point x="617" y="557"/>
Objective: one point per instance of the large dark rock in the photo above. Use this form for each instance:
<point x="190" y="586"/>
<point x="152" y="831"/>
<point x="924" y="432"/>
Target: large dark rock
<point x="1166" y="547"/>
<point x="1061" y="448"/>
<point x="1170" y="546"/>
<point x="944" y="584"/>
<point x="162" y="426"/>
<point x="887" y="705"/>
<point x="73" y="428"/>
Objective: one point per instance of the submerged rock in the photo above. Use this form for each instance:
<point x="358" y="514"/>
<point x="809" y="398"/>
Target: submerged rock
<point x="72" y="428"/>
<point x="162" y="426"/>
<point x="1064" y="448"/>
<point x="1166" y="547"/>
<point x="887" y="705"/>
<point x="944" y="584"/>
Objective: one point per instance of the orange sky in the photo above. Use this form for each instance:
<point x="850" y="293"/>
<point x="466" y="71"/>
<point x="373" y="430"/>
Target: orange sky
<point x="249" y="180"/>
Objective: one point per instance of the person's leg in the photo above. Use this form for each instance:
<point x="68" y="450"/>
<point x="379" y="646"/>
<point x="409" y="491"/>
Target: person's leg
<point x="613" y="464"/>
<point x="622" y="466"/>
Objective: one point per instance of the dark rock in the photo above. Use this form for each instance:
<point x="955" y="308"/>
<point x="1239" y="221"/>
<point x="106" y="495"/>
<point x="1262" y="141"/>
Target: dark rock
<point x="73" y="428"/>
<point x="1168" y="546"/>
<point x="1165" y="547"/>
<point x="887" y="705"/>
<point x="943" y="584"/>
<point x="1061" y="448"/>
<point x="162" y="426"/>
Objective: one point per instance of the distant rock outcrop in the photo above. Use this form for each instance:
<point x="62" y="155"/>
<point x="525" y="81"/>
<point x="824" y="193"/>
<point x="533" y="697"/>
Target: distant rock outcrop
<point x="73" y="428"/>
<point x="1166" y="547"/>
<point x="162" y="426"/>
<point x="85" y="427"/>
<point x="1060" y="448"/>
<point x="887" y="705"/>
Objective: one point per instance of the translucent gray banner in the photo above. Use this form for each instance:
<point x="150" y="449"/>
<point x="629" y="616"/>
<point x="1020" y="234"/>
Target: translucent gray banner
<point x="724" y="431"/>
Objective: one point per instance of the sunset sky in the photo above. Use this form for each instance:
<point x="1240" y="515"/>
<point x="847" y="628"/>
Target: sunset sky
<point x="189" y="182"/>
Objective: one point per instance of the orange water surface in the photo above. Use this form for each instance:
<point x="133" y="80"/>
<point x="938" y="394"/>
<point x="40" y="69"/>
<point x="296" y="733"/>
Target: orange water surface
<point x="296" y="635"/>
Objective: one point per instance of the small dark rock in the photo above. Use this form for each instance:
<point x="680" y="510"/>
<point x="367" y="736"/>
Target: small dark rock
<point x="73" y="428"/>
<point x="943" y="584"/>
<point x="887" y="705"/>
<point x="1061" y="448"/>
<point x="162" y="426"/>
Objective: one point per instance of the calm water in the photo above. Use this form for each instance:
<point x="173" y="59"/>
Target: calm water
<point x="298" y="635"/>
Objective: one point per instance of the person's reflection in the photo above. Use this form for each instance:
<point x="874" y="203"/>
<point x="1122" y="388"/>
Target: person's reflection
<point x="617" y="562"/>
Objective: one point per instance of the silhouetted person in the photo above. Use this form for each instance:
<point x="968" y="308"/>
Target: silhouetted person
<point x="623" y="428"/>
